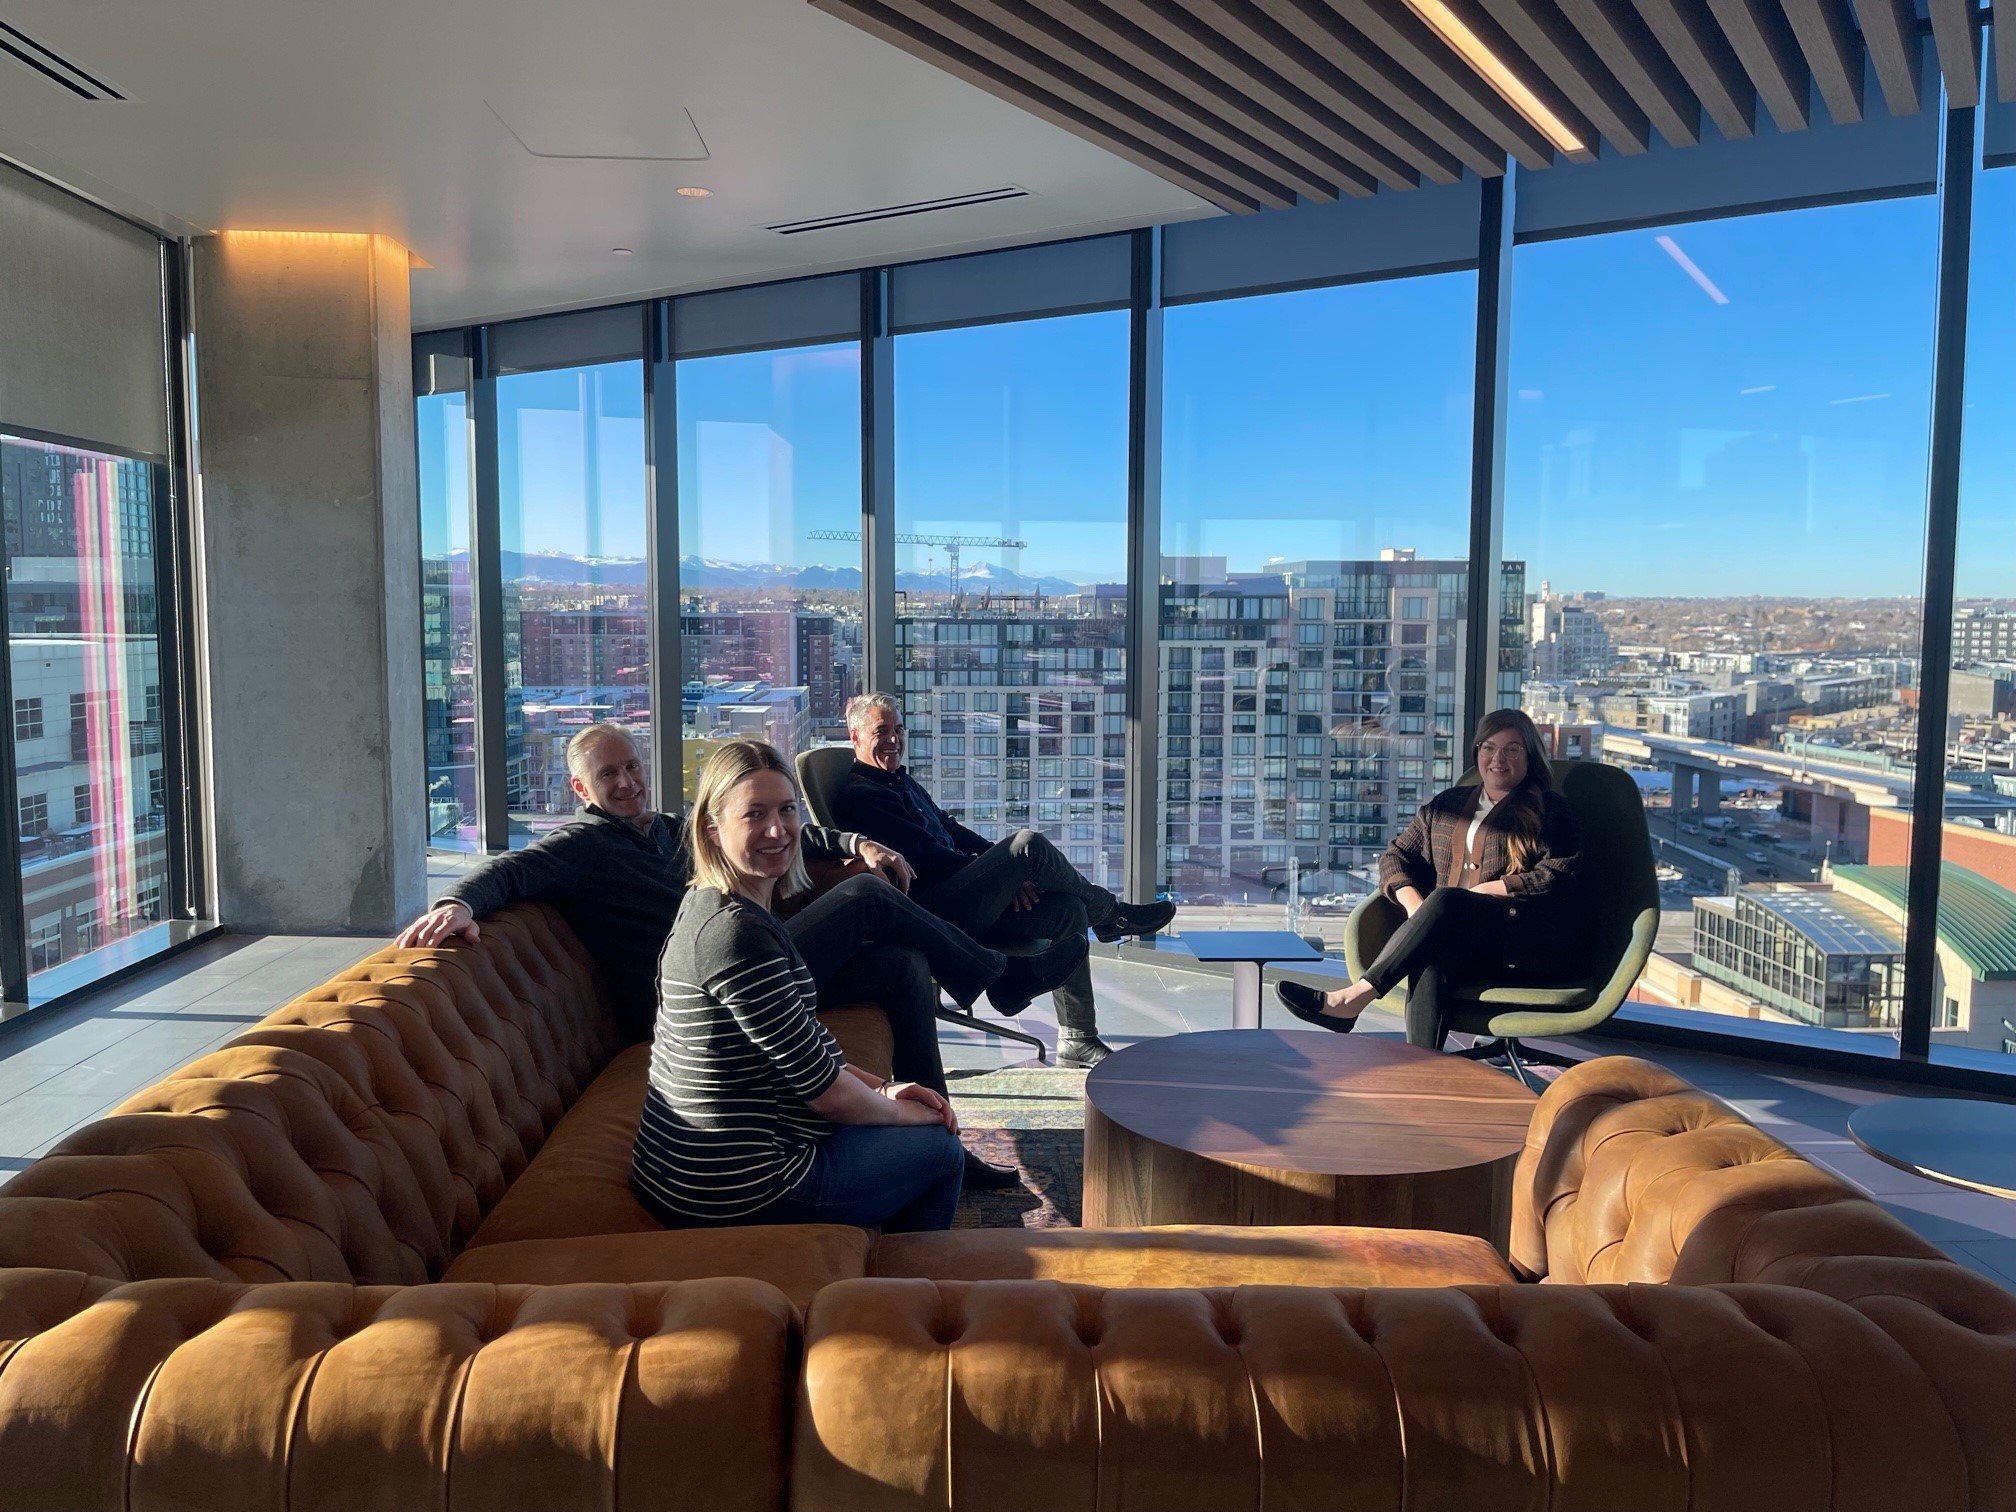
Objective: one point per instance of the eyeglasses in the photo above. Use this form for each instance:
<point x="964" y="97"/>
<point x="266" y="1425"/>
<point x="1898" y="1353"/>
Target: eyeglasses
<point x="1501" y="750"/>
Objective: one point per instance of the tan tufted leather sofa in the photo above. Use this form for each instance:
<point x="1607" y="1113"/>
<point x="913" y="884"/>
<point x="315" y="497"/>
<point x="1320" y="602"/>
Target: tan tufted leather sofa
<point x="380" y="1252"/>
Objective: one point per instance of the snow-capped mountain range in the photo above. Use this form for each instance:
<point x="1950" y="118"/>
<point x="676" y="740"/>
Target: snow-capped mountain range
<point x="712" y="572"/>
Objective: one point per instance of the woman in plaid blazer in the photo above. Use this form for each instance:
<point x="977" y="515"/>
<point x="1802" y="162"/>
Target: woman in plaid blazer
<point x="1487" y="877"/>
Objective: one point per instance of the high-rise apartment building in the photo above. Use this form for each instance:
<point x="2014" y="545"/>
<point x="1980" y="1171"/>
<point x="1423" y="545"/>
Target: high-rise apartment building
<point x="1017" y="714"/>
<point x="1984" y="635"/>
<point x="1302" y="712"/>
<point x="1567" y="639"/>
<point x="607" y="645"/>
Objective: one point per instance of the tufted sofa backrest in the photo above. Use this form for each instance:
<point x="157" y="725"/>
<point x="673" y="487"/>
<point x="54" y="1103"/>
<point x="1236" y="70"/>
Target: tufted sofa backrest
<point x="1629" y="1174"/>
<point x="360" y="1133"/>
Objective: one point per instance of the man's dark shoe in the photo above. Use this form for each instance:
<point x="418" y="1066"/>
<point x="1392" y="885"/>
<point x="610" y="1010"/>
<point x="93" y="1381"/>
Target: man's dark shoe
<point x="1135" y="919"/>
<point x="982" y="1177"/>
<point x="1027" y="977"/>
<point x="1082" y="1051"/>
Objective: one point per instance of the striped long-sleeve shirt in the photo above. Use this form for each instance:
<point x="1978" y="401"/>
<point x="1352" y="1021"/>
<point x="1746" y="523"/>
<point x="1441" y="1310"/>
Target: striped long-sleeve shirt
<point x="736" y="1057"/>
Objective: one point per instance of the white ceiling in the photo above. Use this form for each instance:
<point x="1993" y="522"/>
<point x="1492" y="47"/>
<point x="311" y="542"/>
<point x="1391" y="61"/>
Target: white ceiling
<point x="389" y="116"/>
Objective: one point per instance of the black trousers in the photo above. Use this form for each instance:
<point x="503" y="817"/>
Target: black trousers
<point x="865" y="940"/>
<point x="1454" y="936"/>
<point x="979" y="898"/>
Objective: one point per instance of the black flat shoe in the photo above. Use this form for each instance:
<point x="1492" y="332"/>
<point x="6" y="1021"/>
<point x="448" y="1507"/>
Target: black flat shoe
<point x="982" y="1177"/>
<point x="1306" y="1003"/>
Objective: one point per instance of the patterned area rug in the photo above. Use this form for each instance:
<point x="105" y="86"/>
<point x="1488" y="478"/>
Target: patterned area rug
<point x="1032" y="1118"/>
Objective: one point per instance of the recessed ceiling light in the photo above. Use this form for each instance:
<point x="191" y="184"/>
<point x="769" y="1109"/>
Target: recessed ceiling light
<point x="1468" y="46"/>
<point x="693" y="191"/>
<point x="620" y="251"/>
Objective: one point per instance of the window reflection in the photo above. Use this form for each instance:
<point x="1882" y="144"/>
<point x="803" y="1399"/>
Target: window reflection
<point x="448" y="629"/>
<point x="1716" y="476"/>
<point x="1315" y="529"/>
<point x="84" y="639"/>
<point x="1974" y="995"/>
<point x="770" y="562"/>
<point x="577" y="621"/>
<point x="1011" y="613"/>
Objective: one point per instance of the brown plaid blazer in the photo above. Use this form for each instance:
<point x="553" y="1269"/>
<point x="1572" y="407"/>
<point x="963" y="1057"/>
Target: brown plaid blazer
<point x="1429" y="852"/>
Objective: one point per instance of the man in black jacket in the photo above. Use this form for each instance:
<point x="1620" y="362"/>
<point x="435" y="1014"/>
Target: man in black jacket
<point x="1021" y="888"/>
<point x="618" y="872"/>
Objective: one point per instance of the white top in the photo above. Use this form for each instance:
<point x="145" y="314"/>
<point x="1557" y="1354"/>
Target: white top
<point x="1484" y="806"/>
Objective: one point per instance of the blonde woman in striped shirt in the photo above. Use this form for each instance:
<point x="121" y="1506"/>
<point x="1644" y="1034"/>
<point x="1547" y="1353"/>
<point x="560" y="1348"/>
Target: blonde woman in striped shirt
<point x="752" y="1115"/>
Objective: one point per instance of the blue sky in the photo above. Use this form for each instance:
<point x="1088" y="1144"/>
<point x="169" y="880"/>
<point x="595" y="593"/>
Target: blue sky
<point x="1738" y="406"/>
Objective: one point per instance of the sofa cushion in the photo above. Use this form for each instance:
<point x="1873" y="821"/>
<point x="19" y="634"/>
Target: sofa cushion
<point x="580" y="1182"/>
<point x="796" y="1258"/>
<point x="1184" y="1255"/>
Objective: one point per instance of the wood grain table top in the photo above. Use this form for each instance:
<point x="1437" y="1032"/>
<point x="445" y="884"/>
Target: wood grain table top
<point x="1306" y="1100"/>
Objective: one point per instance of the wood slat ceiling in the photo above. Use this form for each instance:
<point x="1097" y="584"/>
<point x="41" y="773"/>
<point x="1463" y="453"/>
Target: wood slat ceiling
<point x="1254" y="104"/>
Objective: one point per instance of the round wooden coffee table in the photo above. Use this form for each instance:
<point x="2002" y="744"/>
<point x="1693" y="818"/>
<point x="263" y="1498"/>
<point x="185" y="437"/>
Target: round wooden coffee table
<point x="1262" y="1126"/>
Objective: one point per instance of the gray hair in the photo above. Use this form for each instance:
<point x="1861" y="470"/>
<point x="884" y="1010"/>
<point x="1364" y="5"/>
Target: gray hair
<point x="581" y="748"/>
<point x="864" y="706"/>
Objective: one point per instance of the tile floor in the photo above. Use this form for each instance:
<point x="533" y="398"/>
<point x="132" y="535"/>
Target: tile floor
<point x="62" y="1068"/>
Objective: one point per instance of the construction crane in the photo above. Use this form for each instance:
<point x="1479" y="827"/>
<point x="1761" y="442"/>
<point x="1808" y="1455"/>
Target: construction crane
<point x="952" y="545"/>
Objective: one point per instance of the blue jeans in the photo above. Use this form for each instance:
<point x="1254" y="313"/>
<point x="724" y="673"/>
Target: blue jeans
<point x="900" y="1178"/>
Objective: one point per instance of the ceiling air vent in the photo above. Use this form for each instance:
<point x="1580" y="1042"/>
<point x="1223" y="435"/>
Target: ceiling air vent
<point x="896" y="212"/>
<point x="53" y="66"/>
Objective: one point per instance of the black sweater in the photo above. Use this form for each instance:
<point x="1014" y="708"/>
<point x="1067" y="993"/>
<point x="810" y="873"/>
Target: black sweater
<point x="893" y="810"/>
<point x="618" y="888"/>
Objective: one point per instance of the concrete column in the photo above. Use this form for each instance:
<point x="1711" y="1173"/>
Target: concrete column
<point x="1683" y="789"/>
<point x="310" y="563"/>
<point x="1710" y="791"/>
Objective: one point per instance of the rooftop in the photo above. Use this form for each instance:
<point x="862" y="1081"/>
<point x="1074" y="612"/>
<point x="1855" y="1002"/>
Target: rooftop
<point x="1977" y="917"/>
<point x="1837" y="925"/>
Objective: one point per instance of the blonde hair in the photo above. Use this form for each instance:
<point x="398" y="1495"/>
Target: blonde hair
<point x="732" y="763"/>
<point x="581" y="748"/>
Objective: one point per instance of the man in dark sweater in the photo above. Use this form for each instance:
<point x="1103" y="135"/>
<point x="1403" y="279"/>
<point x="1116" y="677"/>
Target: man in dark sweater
<point x="618" y="872"/>
<point x="1018" y="889"/>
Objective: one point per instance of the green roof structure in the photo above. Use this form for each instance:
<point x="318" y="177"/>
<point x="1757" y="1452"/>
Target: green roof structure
<point x="1977" y="917"/>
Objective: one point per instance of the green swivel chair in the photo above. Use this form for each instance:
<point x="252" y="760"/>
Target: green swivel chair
<point x="821" y="770"/>
<point x="1620" y="902"/>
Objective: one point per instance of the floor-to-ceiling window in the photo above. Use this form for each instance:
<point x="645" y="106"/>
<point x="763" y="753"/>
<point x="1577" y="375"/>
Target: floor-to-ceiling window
<point x="770" y="620"/>
<point x="1011" y="619"/>
<point x="577" y="624"/>
<point x="91" y="770"/>
<point x="84" y="631"/>
<point x="1315" y="523"/>
<point x="447" y="622"/>
<point x="1974" y="994"/>
<point x="1716" y="478"/>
